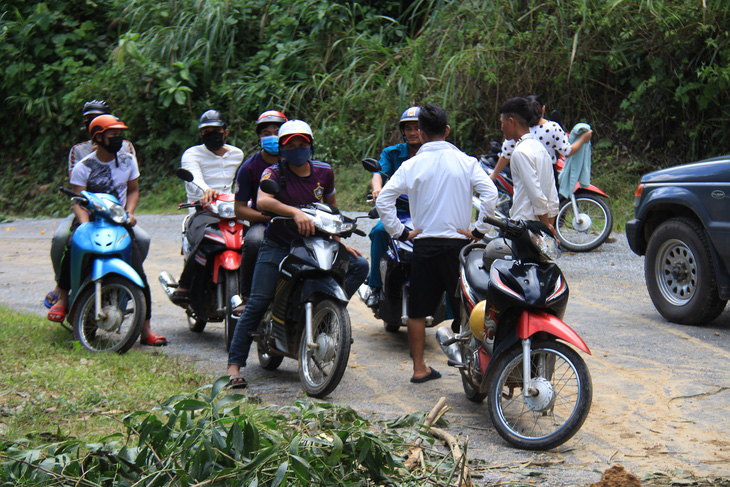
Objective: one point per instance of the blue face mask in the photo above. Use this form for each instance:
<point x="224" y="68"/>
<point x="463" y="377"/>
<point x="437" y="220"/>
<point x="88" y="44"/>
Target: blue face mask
<point x="270" y="144"/>
<point x="296" y="157"/>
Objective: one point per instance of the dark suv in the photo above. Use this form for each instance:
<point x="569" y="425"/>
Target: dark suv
<point x="682" y="225"/>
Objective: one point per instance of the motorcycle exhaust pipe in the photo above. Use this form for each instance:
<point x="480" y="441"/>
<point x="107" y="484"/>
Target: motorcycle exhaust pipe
<point x="168" y="282"/>
<point x="447" y="340"/>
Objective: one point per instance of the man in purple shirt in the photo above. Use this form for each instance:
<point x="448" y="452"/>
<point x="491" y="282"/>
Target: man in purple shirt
<point x="302" y="181"/>
<point x="246" y="189"/>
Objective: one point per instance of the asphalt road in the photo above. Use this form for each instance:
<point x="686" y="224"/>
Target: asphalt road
<point x="660" y="390"/>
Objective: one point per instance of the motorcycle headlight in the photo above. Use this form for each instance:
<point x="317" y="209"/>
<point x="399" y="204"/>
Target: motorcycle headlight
<point x="225" y="210"/>
<point x="332" y="224"/>
<point x="546" y="246"/>
<point x="117" y="214"/>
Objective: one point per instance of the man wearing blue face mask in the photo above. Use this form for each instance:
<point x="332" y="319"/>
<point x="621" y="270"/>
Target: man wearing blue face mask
<point x="213" y="165"/>
<point x="247" y="188"/>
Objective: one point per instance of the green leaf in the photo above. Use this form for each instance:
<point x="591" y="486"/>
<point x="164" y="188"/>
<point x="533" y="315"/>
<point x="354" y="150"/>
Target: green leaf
<point x="280" y="477"/>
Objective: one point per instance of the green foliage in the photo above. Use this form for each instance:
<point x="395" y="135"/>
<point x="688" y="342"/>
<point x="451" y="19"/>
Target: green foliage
<point x="651" y="76"/>
<point x="210" y="437"/>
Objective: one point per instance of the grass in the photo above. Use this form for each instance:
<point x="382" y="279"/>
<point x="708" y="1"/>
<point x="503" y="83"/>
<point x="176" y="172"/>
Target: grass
<point x="52" y="389"/>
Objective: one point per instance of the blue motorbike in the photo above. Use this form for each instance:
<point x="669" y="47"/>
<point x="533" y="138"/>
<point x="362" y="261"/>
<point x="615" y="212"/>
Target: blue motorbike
<point x="106" y="301"/>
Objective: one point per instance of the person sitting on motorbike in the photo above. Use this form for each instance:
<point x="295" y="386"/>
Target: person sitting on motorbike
<point x="390" y="160"/>
<point x="91" y="110"/>
<point x="107" y="170"/>
<point x="302" y="181"/>
<point x="535" y="194"/>
<point x="213" y="165"/>
<point x="247" y="187"/>
<point x="439" y="181"/>
<point x="549" y="133"/>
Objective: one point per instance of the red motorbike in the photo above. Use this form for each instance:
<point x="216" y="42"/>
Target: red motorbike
<point x="214" y="294"/>
<point x="585" y="219"/>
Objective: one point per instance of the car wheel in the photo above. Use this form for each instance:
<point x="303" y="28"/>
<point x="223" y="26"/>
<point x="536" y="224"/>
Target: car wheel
<point x="680" y="275"/>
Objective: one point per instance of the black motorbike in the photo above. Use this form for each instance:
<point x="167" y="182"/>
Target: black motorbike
<point x="513" y="300"/>
<point x="308" y="319"/>
<point x="395" y="271"/>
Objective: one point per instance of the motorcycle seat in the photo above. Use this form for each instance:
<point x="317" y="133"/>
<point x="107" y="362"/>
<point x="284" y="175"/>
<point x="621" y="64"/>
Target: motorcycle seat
<point x="476" y="273"/>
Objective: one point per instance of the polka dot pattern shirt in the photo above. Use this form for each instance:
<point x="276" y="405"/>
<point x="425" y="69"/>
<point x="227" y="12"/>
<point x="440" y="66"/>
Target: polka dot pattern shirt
<point x="550" y="134"/>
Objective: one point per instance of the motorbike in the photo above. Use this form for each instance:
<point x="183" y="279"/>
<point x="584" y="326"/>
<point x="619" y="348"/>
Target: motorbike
<point x="106" y="302"/>
<point x="507" y="348"/>
<point x="211" y="291"/>
<point x="307" y="319"/>
<point x="395" y="271"/>
<point x="584" y="220"/>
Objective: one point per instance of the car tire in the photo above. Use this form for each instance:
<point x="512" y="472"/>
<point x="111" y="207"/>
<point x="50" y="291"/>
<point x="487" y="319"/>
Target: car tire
<point x="680" y="273"/>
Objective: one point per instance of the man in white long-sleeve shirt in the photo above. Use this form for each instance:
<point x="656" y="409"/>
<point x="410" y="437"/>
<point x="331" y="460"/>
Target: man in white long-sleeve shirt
<point x="439" y="181"/>
<point x="213" y="165"/>
<point x="535" y="196"/>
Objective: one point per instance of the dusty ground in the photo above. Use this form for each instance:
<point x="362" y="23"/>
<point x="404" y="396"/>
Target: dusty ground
<point x="660" y="390"/>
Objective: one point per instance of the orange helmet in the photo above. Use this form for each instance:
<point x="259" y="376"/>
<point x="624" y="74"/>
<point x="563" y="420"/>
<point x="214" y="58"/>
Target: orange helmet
<point x="269" y="116"/>
<point x="102" y="123"/>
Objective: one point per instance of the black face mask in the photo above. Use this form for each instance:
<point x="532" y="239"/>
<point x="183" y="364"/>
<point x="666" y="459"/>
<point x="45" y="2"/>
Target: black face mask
<point x="213" y="140"/>
<point x="114" y="145"/>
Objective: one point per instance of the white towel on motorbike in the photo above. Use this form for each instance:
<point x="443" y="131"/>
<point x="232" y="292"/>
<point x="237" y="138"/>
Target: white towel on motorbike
<point x="577" y="167"/>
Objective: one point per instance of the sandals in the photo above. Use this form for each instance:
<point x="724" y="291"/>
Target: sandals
<point x="153" y="340"/>
<point x="50" y="299"/>
<point x="238" y="310"/>
<point x="236" y="381"/>
<point x="57" y="313"/>
<point x="180" y="298"/>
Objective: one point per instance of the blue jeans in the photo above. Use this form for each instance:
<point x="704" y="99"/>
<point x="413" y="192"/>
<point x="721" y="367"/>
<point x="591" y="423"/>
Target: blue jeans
<point x="265" y="276"/>
<point x="379" y="240"/>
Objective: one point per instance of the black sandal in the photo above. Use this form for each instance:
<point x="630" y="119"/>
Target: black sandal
<point x="180" y="298"/>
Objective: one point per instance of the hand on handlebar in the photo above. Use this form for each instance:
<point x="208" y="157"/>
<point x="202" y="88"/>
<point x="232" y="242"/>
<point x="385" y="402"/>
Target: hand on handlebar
<point x="208" y="196"/>
<point x="304" y="223"/>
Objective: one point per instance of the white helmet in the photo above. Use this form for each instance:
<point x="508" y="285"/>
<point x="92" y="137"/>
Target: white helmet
<point x="294" y="127"/>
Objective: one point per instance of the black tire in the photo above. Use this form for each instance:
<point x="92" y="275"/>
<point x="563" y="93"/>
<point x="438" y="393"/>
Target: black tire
<point x="680" y="274"/>
<point x="321" y="370"/>
<point x="472" y="393"/>
<point x="230" y="280"/>
<point x="550" y="418"/>
<point x="392" y="326"/>
<point x="195" y="324"/>
<point x="267" y="360"/>
<point x="125" y="308"/>
<point x="587" y="234"/>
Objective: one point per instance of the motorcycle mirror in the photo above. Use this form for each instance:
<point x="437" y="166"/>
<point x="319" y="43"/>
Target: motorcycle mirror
<point x="371" y="165"/>
<point x="269" y="186"/>
<point x="184" y="174"/>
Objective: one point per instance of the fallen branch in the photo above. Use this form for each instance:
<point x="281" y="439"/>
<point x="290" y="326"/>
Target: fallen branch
<point x="415" y="451"/>
<point x="708" y="393"/>
<point x="459" y="458"/>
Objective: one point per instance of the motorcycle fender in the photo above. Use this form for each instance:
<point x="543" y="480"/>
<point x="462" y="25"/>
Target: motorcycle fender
<point x="532" y="322"/>
<point x="229" y="260"/>
<point x="103" y="267"/>
<point x="589" y="189"/>
<point x="324" y="285"/>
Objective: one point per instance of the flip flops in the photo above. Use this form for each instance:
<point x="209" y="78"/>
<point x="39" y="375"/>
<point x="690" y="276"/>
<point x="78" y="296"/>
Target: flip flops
<point x="435" y="374"/>
<point x="153" y="340"/>
<point x="236" y="381"/>
<point x="57" y="313"/>
<point x="50" y="299"/>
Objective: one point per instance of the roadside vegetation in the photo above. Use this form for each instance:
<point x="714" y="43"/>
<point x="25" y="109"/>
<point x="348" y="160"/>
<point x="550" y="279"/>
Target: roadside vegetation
<point x="651" y="77"/>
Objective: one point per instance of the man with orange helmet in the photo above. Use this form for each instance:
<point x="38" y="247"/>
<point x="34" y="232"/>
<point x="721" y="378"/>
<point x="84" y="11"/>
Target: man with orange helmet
<point x="108" y="170"/>
<point x="247" y="187"/>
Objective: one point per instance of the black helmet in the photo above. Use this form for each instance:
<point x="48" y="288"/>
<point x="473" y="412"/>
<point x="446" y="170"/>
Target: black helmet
<point x="96" y="107"/>
<point x="211" y="118"/>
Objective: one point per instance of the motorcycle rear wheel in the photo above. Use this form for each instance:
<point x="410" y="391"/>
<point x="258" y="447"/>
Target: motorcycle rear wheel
<point x="584" y="236"/>
<point x="321" y="368"/>
<point x="124" y="306"/>
<point x="196" y="325"/>
<point x="231" y="289"/>
<point x="550" y="418"/>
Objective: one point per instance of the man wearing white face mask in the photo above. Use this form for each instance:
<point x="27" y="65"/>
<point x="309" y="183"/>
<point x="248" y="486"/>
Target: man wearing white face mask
<point x="213" y="165"/>
<point x="247" y="187"/>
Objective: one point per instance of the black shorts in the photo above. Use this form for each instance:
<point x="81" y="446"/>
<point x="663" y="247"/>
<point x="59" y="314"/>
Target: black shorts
<point x="435" y="270"/>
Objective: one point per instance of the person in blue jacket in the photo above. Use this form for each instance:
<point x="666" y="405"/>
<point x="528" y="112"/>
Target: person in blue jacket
<point x="390" y="160"/>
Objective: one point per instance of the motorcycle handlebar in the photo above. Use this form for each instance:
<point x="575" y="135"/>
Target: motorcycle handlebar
<point x="501" y="224"/>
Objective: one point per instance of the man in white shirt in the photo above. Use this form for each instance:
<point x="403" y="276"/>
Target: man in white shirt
<point x="439" y="181"/>
<point x="213" y="165"/>
<point x="535" y="195"/>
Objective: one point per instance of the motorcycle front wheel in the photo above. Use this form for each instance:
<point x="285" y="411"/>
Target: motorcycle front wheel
<point x="321" y="367"/>
<point x="587" y="230"/>
<point x="230" y="280"/>
<point x="123" y="311"/>
<point x="556" y="412"/>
